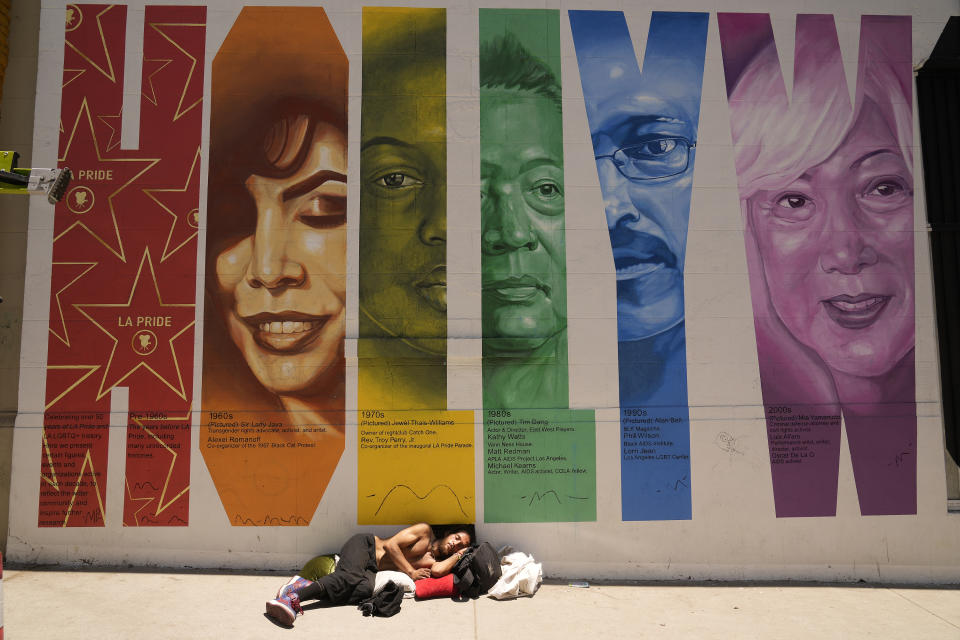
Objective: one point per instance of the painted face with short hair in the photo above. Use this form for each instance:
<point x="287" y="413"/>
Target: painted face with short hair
<point x="644" y="134"/>
<point x="403" y="284"/>
<point x="645" y="163"/>
<point x="522" y="237"/>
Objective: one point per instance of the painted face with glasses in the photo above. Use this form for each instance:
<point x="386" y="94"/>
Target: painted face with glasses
<point x="645" y="145"/>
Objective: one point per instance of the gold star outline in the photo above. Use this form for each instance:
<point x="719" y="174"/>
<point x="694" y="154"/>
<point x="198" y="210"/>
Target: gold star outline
<point x="65" y="338"/>
<point x="146" y="502"/>
<point x="108" y="72"/>
<point x="178" y="388"/>
<point x="167" y="252"/>
<point x="87" y="461"/>
<point x="84" y="114"/>
<point x="53" y="472"/>
<point x="152" y="98"/>
<point x="156" y="26"/>
<point x="73" y="75"/>
<point x="90" y="369"/>
<point x="161" y="506"/>
<point x="114" y="140"/>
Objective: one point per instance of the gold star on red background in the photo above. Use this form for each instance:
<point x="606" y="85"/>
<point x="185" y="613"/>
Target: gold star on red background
<point x="83" y="153"/>
<point x="143" y="311"/>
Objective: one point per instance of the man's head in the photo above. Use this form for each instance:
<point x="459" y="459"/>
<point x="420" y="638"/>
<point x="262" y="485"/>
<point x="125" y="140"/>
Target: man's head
<point x="452" y="538"/>
<point x="453" y="542"/>
<point x="522" y="207"/>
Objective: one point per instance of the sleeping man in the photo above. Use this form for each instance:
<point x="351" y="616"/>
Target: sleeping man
<point x="415" y="551"/>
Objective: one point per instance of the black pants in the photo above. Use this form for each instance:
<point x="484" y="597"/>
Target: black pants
<point x="353" y="579"/>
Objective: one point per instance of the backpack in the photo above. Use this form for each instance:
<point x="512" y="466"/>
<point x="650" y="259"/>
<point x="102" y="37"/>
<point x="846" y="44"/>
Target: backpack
<point x="385" y="603"/>
<point x="477" y="570"/>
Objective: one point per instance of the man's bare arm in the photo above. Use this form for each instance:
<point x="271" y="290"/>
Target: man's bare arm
<point x="442" y="568"/>
<point x="405" y="539"/>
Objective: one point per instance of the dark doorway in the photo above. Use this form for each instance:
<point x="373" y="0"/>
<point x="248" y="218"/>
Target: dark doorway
<point x="938" y="98"/>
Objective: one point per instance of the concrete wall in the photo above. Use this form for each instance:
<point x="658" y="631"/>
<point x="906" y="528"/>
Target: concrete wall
<point x="16" y="133"/>
<point x="733" y="532"/>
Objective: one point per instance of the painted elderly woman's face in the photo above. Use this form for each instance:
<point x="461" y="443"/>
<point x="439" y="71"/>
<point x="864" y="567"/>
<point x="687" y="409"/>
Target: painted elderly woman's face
<point x="837" y="251"/>
<point x="282" y="288"/>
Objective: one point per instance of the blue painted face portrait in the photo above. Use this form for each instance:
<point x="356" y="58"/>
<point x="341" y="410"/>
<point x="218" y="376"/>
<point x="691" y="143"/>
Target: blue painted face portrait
<point x="644" y="133"/>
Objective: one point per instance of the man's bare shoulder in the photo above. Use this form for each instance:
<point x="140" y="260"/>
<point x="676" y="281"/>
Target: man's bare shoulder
<point x="412" y="534"/>
<point x="421" y="528"/>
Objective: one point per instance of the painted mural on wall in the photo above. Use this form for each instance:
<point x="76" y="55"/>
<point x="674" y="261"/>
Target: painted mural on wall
<point x="826" y="189"/>
<point x="415" y="459"/>
<point x="539" y="457"/>
<point x="124" y="270"/>
<point x="827" y="197"/>
<point x="644" y="133"/>
<point x="273" y="367"/>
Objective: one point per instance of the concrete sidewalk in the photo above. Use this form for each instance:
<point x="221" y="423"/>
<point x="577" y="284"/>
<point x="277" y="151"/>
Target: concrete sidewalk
<point x="48" y="605"/>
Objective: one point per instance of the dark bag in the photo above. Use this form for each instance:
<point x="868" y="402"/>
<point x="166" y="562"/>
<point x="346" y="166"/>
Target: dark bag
<point x="477" y="570"/>
<point x="384" y="603"/>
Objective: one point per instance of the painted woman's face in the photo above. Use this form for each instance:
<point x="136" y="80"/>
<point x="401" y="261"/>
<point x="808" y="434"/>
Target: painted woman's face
<point x="837" y="251"/>
<point x="282" y="289"/>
